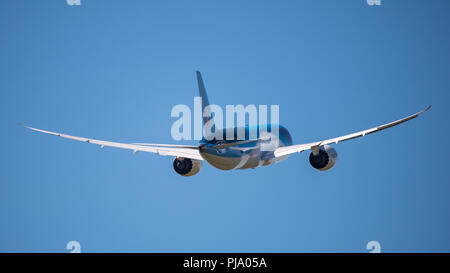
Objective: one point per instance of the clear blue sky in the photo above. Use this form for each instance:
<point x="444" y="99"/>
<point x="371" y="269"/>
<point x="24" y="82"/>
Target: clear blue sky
<point x="113" y="70"/>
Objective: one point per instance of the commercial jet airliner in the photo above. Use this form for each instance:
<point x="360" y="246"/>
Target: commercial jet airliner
<point x="239" y="154"/>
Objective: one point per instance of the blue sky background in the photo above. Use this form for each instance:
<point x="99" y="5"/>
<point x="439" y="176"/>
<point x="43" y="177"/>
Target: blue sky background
<point x="113" y="70"/>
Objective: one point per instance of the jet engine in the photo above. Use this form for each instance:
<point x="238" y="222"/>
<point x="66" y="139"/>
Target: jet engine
<point x="325" y="159"/>
<point x="186" y="166"/>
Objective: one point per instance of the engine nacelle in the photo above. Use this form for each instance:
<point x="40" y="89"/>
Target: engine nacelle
<point x="186" y="166"/>
<point x="325" y="160"/>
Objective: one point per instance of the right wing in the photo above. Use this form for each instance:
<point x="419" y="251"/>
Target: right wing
<point x="314" y="146"/>
<point x="161" y="149"/>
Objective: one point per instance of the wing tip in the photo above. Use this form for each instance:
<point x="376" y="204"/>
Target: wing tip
<point x="25" y="126"/>
<point x="426" y="109"/>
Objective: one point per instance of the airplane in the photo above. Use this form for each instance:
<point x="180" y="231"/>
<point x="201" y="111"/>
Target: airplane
<point x="239" y="154"/>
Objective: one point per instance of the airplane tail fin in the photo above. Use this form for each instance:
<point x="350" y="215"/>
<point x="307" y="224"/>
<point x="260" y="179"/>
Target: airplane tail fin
<point x="205" y="101"/>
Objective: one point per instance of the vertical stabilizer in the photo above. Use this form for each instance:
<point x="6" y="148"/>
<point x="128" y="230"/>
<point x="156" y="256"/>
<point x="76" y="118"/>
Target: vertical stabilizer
<point x="205" y="101"/>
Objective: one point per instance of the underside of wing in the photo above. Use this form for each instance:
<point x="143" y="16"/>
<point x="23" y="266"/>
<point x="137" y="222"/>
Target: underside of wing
<point x="314" y="146"/>
<point x="183" y="151"/>
<point x="165" y="145"/>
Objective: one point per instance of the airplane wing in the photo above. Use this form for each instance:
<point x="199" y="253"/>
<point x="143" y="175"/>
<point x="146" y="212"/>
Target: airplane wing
<point x="316" y="145"/>
<point x="161" y="149"/>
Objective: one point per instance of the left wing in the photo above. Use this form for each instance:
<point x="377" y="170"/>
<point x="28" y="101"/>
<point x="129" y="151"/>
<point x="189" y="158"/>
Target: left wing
<point x="160" y="149"/>
<point x="314" y="146"/>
